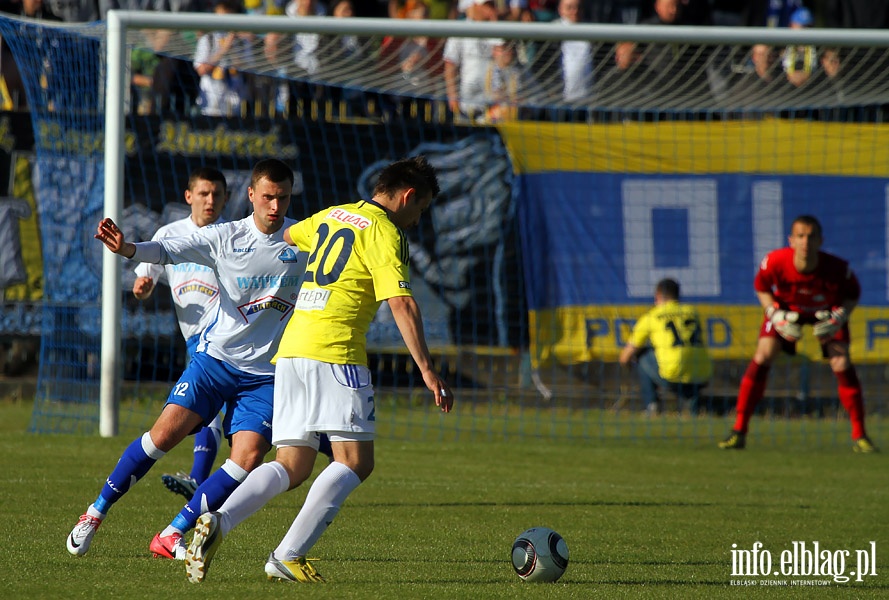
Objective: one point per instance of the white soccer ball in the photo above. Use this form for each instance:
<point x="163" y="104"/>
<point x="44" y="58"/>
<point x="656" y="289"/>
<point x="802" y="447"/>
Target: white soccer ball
<point x="539" y="554"/>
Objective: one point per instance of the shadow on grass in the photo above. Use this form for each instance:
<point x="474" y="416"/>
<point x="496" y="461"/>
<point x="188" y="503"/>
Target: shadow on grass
<point x="536" y="503"/>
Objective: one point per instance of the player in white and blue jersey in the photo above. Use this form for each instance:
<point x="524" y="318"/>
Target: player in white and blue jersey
<point x="259" y="276"/>
<point x="195" y="293"/>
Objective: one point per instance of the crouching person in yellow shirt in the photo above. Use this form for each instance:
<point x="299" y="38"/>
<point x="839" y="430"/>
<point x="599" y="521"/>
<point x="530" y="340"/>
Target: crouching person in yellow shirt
<point x="668" y="346"/>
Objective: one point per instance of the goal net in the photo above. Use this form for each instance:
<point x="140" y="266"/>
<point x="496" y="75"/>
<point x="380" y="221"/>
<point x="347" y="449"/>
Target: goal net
<point x="579" y="165"/>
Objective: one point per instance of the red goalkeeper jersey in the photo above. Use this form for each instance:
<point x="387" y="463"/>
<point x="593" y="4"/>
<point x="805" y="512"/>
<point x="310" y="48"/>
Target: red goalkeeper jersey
<point x="829" y="285"/>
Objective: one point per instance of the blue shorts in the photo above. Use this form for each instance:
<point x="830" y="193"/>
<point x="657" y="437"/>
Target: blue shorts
<point x="209" y="385"/>
<point x="191" y="345"/>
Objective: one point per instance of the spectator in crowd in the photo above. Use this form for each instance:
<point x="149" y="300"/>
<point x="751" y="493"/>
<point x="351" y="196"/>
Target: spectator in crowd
<point x="576" y="57"/>
<point x="646" y="62"/>
<point x="173" y="82"/>
<point x="305" y="44"/>
<point x="860" y="14"/>
<point x="466" y="61"/>
<point x="219" y="54"/>
<point x="770" y="13"/>
<point x="796" y="286"/>
<point x="668" y="345"/>
<point x="544" y="10"/>
<point x="13" y="86"/>
<point x="799" y="62"/>
<point x="334" y="49"/>
<point x="75" y="11"/>
<point x="434" y="9"/>
<point x="301" y="49"/>
<point x="831" y="63"/>
<point x="617" y="12"/>
<point x="624" y="79"/>
<point x="825" y="88"/>
<point x="264" y="7"/>
<point x="143" y="64"/>
<point x="760" y="77"/>
<point x="270" y="94"/>
<point x="627" y="55"/>
<point x="526" y="50"/>
<point x="687" y="12"/>
<point x="417" y="59"/>
<point x="507" y="84"/>
<point x="680" y="70"/>
<point x="31" y="9"/>
<point x="666" y="12"/>
<point x="764" y="61"/>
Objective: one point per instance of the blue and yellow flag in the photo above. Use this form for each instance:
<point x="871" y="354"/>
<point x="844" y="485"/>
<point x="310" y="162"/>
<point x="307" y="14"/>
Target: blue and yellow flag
<point x="607" y="210"/>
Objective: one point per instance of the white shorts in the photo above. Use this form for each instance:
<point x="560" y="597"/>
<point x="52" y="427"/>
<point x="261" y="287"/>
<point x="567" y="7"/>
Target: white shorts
<point x="313" y="397"/>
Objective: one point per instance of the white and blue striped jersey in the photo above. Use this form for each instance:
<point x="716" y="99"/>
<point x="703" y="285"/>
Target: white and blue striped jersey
<point x="259" y="277"/>
<point x="194" y="287"/>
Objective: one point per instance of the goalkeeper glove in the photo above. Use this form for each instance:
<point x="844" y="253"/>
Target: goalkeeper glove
<point x="829" y="322"/>
<point x="785" y="323"/>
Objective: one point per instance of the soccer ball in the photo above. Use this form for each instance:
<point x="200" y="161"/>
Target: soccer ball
<point x="539" y="554"/>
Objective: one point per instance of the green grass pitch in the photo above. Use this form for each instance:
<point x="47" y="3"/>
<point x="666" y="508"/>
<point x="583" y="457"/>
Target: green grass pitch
<point x="645" y="519"/>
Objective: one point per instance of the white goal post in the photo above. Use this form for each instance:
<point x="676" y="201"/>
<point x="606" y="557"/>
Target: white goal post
<point x="121" y="23"/>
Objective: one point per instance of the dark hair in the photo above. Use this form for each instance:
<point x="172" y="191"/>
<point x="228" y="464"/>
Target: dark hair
<point x="235" y="7"/>
<point x="810" y="221"/>
<point x="206" y="174"/>
<point x="668" y="288"/>
<point x="272" y="169"/>
<point x="414" y="172"/>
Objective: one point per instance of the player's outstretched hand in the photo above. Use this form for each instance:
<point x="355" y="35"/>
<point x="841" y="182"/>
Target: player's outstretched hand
<point x="786" y="323"/>
<point x="444" y="397"/>
<point x="110" y="234"/>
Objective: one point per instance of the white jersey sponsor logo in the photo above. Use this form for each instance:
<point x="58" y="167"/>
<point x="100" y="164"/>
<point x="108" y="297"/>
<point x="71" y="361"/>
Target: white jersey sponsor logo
<point x="257" y="289"/>
<point x="252" y="309"/>
<point x="344" y="216"/>
<point x="195" y="286"/>
<point x="312" y="299"/>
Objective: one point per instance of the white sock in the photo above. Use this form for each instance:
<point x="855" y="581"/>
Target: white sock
<point x="94" y="512"/>
<point x="262" y="484"/>
<point x="150" y="449"/>
<point x="330" y="489"/>
<point x="234" y="470"/>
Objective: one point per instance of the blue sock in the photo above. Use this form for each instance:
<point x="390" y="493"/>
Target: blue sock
<point x="134" y="463"/>
<point x="210" y="495"/>
<point x="206" y="445"/>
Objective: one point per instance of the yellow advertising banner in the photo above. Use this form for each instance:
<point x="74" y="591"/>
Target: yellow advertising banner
<point x="576" y="334"/>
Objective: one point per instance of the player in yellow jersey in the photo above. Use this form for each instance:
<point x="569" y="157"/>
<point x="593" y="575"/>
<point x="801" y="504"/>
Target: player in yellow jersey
<point x="358" y="258"/>
<point x="668" y="344"/>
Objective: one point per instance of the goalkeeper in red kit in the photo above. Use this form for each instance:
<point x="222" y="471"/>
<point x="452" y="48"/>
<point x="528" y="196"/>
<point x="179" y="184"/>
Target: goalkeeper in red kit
<point x="797" y="286"/>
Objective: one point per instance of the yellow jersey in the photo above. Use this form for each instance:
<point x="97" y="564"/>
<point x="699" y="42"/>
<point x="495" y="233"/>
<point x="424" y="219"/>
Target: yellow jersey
<point x="674" y="331"/>
<point x="357" y="259"/>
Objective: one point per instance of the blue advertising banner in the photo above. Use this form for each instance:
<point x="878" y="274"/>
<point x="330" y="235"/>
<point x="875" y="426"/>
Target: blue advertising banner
<point x="606" y="211"/>
<point x="604" y="238"/>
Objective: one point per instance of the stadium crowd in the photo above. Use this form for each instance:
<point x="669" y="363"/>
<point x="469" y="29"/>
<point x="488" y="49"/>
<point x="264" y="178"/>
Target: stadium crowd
<point x="489" y="80"/>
